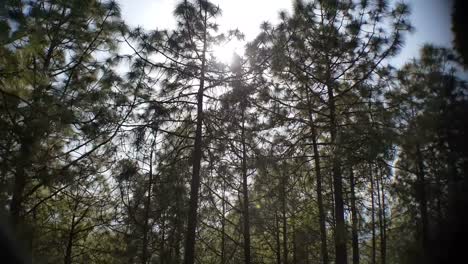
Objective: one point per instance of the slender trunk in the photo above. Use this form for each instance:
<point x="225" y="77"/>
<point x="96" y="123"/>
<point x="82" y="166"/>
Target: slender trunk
<point x="285" y="239"/>
<point x="453" y="179"/>
<point x="189" y="256"/>
<point x="332" y="199"/>
<point x="383" y="227"/>
<point x="379" y="214"/>
<point x="177" y="234"/>
<point x="439" y="198"/>
<point x="163" y="241"/>
<point x="284" y="220"/>
<point x="294" y="244"/>
<point x="178" y="239"/>
<point x="456" y="204"/>
<point x="194" y="186"/>
<point x="245" y="193"/>
<point x="32" y="237"/>
<point x="16" y="204"/>
<point x="421" y="188"/>
<point x="223" y="226"/>
<point x="318" y="176"/>
<point x="373" y="259"/>
<point x="278" y="243"/>
<point x="144" y="244"/>
<point x="354" y="219"/>
<point x="71" y="233"/>
<point x="340" y="228"/>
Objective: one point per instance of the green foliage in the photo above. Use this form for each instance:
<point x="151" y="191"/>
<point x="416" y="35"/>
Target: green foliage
<point x="97" y="159"/>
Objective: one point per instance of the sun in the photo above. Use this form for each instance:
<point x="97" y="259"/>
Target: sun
<point x="225" y="51"/>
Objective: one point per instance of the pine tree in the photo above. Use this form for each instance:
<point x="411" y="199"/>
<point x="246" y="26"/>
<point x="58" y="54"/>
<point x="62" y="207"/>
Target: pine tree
<point x="59" y="101"/>
<point x="331" y="50"/>
<point x="428" y="86"/>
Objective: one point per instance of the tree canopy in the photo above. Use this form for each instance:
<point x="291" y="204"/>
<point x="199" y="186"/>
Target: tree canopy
<point x="308" y="147"/>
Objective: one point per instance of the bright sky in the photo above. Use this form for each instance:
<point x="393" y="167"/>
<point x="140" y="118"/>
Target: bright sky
<point x="431" y="18"/>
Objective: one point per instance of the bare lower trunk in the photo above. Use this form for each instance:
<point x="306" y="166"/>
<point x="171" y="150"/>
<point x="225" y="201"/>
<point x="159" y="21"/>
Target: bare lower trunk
<point x="71" y="234"/>
<point x="245" y="194"/>
<point x="421" y="189"/>
<point x="294" y="244"/>
<point x="284" y="219"/>
<point x="373" y="258"/>
<point x="68" y="252"/>
<point x="194" y="187"/>
<point x="318" y="176"/>
<point x="382" y="222"/>
<point x="285" y="239"/>
<point x="340" y="228"/>
<point x="277" y="238"/>
<point x="163" y="242"/>
<point x="223" y="226"/>
<point x="354" y="219"/>
<point x="16" y="204"/>
<point x="144" y="244"/>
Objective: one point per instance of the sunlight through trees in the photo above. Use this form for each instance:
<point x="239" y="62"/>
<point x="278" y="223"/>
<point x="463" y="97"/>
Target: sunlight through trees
<point x="191" y="145"/>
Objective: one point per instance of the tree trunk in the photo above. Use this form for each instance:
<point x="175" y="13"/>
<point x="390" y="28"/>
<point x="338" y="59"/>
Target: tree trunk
<point x="294" y="244"/>
<point x="245" y="193"/>
<point x="68" y="252"/>
<point x="284" y="220"/>
<point x="189" y="257"/>
<point x="163" y="241"/>
<point x="421" y="189"/>
<point x="178" y="226"/>
<point x="382" y="221"/>
<point x="379" y="214"/>
<point x="144" y="244"/>
<point x="285" y="239"/>
<point x="354" y="219"/>
<point x="16" y="204"/>
<point x="178" y="238"/>
<point x="318" y="176"/>
<point x="373" y="258"/>
<point x="456" y="204"/>
<point x="223" y="225"/>
<point x="332" y="199"/>
<point x="340" y="228"/>
<point x="278" y="243"/>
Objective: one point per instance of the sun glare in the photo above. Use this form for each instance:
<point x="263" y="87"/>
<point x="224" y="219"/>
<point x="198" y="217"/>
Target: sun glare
<point x="225" y="51"/>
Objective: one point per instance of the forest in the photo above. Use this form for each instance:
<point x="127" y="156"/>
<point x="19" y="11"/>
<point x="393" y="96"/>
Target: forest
<point x="308" y="147"/>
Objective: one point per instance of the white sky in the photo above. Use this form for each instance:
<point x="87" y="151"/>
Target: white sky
<point x="431" y="18"/>
<point x="246" y="15"/>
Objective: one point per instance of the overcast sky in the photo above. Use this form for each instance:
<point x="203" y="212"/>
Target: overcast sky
<point x="431" y="18"/>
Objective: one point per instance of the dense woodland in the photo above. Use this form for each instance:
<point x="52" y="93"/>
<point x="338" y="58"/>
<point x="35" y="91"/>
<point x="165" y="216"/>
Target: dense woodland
<point x="310" y="147"/>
